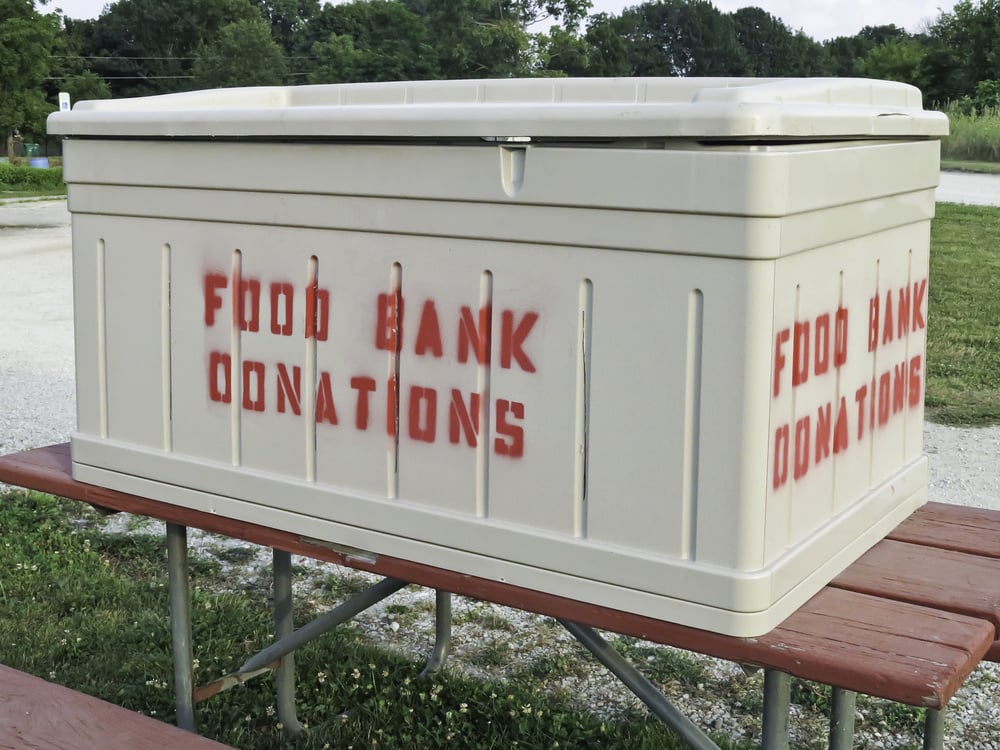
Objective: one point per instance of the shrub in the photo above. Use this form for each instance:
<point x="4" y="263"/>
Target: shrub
<point x="16" y="177"/>
<point x="975" y="136"/>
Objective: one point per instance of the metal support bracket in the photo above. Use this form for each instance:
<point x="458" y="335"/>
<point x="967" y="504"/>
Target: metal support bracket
<point x="644" y="690"/>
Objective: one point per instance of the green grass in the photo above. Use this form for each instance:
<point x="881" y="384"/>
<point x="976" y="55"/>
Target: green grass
<point x="90" y="610"/>
<point x="963" y="347"/>
<point x="979" y="167"/>
<point x="972" y="137"/>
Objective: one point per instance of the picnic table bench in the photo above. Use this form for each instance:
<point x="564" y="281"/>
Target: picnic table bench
<point x="909" y="621"/>
<point x="41" y="715"/>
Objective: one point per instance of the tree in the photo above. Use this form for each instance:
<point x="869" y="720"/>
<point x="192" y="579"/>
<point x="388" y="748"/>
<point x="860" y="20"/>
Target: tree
<point x="773" y="50"/>
<point x="562" y="52"/>
<point x="26" y="41"/>
<point x="963" y="49"/>
<point x="608" y="53"/>
<point x="290" y="20"/>
<point x="371" y="40"/>
<point x="85" y="86"/>
<point x="242" y="54"/>
<point x="680" y="38"/>
<point x="895" y="60"/>
<point x="149" y="46"/>
<point x="846" y="52"/>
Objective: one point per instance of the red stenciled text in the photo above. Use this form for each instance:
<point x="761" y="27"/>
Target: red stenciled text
<point x="422" y="413"/>
<point x="818" y="347"/>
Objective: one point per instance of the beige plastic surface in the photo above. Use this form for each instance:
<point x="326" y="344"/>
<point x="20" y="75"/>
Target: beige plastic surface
<point x="640" y="378"/>
<point x="524" y="108"/>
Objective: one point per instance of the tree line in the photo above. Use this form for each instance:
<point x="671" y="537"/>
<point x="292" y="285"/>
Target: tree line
<point x="144" y="47"/>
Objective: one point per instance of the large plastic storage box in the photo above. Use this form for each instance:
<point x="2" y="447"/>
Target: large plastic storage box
<point x="653" y="344"/>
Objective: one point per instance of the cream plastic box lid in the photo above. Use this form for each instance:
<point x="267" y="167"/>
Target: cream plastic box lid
<point x="523" y="109"/>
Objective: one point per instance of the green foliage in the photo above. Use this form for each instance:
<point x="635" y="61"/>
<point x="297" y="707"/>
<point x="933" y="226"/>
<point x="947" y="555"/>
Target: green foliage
<point x="149" y="46"/>
<point x="371" y="40"/>
<point x="680" y="38"/>
<point x="899" y="59"/>
<point x="26" y="41"/>
<point x="290" y="21"/>
<point x="85" y="86"/>
<point x="973" y="137"/>
<point x="847" y="53"/>
<point x="772" y="49"/>
<point x="241" y="54"/>
<point x="963" y="339"/>
<point x="90" y="611"/>
<point x="142" y="47"/>
<point x="18" y="178"/>
<point x="964" y="49"/>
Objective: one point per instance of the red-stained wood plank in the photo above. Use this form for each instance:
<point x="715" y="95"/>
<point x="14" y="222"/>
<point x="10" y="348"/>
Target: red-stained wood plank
<point x="44" y="716"/>
<point x="956" y="527"/>
<point x="887" y="648"/>
<point x="928" y="576"/>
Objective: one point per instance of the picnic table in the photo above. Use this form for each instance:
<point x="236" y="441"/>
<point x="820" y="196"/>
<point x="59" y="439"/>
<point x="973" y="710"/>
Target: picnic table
<point x="909" y="621"/>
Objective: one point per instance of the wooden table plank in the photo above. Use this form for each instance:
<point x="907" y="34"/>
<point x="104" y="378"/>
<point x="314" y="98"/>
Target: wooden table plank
<point x="928" y="576"/>
<point x="45" y="716"/>
<point x="975" y="531"/>
<point x="956" y="527"/>
<point x="895" y="650"/>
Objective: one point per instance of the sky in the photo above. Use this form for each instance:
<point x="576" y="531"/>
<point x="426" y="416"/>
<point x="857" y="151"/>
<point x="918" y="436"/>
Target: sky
<point x="820" y="19"/>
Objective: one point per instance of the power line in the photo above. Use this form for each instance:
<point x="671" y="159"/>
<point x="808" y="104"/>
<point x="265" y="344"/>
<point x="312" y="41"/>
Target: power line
<point x="120" y="78"/>
<point x="143" y="57"/>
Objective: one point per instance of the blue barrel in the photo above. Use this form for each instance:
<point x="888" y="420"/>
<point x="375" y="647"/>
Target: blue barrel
<point x="40" y="162"/>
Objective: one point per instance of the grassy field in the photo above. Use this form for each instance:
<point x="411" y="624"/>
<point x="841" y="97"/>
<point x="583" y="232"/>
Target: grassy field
<point x="963" y="348"/>
<point x="973" y="138"/>
<point x="89" y="609"/>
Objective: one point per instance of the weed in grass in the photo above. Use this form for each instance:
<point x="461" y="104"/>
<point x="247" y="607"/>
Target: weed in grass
<point x="495" y="652"/>
<point x="485" y="615"/>
<point x="343" y="584"/>
<point x="402" y="614"/>
<point x="661" y="663"/>
<point x="235" y="555"/>
<point x="554" y="666"/>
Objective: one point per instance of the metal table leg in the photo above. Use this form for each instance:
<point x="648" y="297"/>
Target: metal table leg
<point x="663" y="709"/>
<point x="777" y="699"/>
<point x="442" y="632"/>
<point x="284" y="676"/>
<point x="180" y="624"/>
<point x="842" y="719"/>
<point x="934" y="729"/>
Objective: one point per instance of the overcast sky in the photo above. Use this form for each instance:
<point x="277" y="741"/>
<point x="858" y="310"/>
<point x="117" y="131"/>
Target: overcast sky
<point x="820" y="19"/>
